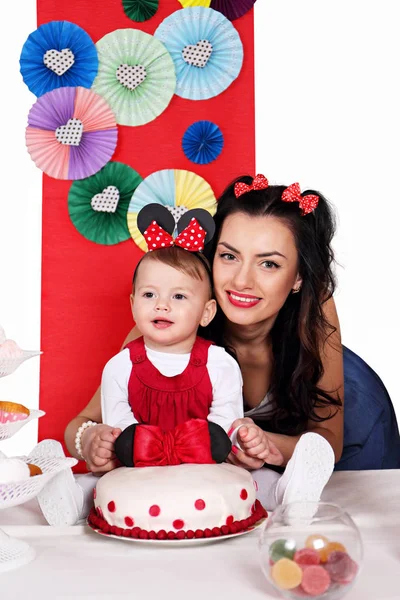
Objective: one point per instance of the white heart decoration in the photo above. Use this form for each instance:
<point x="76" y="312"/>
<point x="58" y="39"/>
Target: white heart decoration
<point x="71" y="133"/>
<point x="59" y="61"/>
<point x="198" y="55"/>
<point x="107" y="200"/>
<point x="131" y="76"/>
<point x="177" y="211"/>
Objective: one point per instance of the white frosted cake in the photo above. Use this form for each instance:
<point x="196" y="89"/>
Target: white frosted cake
<point x="183" y="501"/>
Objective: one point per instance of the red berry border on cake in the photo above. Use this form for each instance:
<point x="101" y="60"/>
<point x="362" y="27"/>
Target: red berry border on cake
<point x="99" y="524"/>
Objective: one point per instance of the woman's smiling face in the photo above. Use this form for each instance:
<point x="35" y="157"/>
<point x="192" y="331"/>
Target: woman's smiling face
<point x="255" y="267"/>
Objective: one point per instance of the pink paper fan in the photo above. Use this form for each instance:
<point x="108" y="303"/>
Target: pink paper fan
<point x="71" y="133"/>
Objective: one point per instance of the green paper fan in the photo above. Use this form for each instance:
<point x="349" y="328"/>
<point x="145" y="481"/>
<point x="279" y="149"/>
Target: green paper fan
<point x="140" y="10"/>
<point x="98" y="205"/>
<point x="136" y="75"/>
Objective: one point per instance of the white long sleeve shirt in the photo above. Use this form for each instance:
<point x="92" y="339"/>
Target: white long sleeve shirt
<point x="223" y="370"/>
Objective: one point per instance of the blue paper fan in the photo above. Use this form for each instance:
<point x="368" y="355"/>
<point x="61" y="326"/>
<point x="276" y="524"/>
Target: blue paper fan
<point x="202" y="142"/>
<point x="206" y="50"/>
<point x="58" y="54"/>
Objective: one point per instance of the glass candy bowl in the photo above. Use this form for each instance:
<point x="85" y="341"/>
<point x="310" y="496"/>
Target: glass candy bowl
<point x="311" y="550"/>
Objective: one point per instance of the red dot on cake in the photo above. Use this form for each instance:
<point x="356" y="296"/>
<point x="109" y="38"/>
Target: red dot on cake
<point x="243" y="494"/>
<point x="154" y="510"/>
<point x="200" y="504"/>
<point x="111" y="506"/>
<point x="229" y="520"/>
<point x="178" y="524"/>
<point x="129" y="522"/>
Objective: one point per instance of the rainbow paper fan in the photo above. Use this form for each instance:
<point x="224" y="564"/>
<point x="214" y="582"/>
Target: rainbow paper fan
<point x="71" y="133"/>
<point x="58" y="54"/>
<point x="202" y="142"/>
<point x="206" y="50"/>
<point x="136" y="75"/>
<point x="140" y="10"/>
<point x="98" y="205"/>
<point x="190" y="3"/>
<point x="233" y="9"/>
<point x="178" y="190"/>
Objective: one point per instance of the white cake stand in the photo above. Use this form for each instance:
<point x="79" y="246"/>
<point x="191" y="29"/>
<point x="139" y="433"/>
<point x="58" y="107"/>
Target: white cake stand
<point x="13" y="552"/>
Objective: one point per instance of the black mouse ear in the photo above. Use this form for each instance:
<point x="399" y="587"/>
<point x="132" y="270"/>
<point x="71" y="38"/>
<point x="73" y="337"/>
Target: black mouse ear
<point x="155" y="212"/>
<point x="203" y="217"/>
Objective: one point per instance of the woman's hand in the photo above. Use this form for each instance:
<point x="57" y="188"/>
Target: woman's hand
<point x="98" y="448"/>
<point x="257" y="447"/>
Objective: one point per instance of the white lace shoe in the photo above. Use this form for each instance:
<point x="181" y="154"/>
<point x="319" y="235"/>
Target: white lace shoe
<point x="61" y="500"/>
<point x="307" y="472"/>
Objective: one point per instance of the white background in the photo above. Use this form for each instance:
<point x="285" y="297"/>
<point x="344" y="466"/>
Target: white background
<point x="327" y="105"/>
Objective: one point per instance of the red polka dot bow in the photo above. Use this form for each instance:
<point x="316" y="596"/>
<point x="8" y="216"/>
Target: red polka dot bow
<point x="191" y="238"/>
<point x="259" y="183"/>
<point x="307" y="203"/>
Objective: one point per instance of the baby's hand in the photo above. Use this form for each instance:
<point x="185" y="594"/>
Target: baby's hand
<point x="256" y="443"/>
<point x="98" y="447"/>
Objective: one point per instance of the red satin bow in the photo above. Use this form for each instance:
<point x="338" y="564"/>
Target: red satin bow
<point x="188" y="442"/>
<point x="191" y="238"/>
<point x="307" y="203"/>
<point x="259" y="183"/>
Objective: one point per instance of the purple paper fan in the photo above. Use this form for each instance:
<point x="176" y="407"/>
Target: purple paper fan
<point x="71" y="133"/>
<point x="232" y="9"/>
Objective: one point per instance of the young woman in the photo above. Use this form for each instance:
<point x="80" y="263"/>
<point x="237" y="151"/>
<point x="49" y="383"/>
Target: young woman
<point x="273" y="279"/>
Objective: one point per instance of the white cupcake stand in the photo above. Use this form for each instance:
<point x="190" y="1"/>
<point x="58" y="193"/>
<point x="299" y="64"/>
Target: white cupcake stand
<point x="13" y="552"/>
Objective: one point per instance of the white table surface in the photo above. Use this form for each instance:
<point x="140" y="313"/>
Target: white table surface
<point x="74" y="562"/>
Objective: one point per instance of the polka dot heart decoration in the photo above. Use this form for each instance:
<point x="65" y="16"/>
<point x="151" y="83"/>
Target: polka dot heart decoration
<point x="71" y="133"/>
<point x="98" y="205"/>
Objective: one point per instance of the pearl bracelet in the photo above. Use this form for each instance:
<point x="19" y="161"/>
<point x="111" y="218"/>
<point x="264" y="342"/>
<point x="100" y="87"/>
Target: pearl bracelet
<point x="78" y="437"/>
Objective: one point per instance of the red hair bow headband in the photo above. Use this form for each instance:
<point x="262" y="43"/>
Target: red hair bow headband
<point x="259" y="183"/>
<point x="307" y="203"/>
<point x="191" y="238"/>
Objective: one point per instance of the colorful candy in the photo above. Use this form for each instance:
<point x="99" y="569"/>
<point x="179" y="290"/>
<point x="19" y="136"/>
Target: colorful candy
<point x="282" y="549"/>
<point x="286" y="574"/>
<point x="318" y="543"/>
<point x="331" y="547"/>
<point x="316" y="580"/>
<point x="312" y="570"/>
<point x="341" y="567"/>
<point x="306" y="557"/>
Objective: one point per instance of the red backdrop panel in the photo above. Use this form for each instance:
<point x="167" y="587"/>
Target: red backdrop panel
<point x="85" y="286"/>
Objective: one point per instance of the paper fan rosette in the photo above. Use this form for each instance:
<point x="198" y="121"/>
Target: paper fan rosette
<point x="190" y="3"/>
<point x="58" y="54"/>
<point x="136" y="75"/>
<point x="202" y="142"/>
<point x="177" y="189"/>
<point x="71" y="133"/>
<point x="140" y="10"/>
<point x="98" y="205"/>
<point x="232" y="9"/>
<point x="206" y="50"/>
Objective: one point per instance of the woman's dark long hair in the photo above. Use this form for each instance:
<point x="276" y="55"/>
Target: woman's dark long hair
<point x="300" y="329"/>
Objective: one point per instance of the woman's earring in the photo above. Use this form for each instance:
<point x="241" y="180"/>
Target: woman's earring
<point x="296" y="291"/>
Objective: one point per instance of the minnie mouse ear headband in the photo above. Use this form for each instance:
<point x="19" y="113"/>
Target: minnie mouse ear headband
<point x="307" y="203"/>
<point x="195" y="228"/>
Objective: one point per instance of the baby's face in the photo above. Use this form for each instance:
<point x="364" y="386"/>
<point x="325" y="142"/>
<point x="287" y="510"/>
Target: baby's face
<point x="169" y="305"/>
